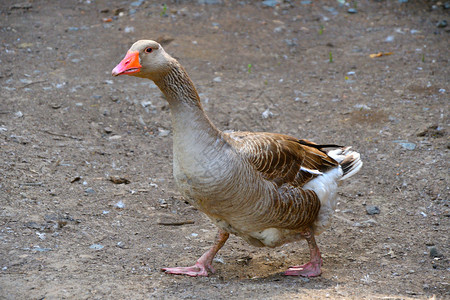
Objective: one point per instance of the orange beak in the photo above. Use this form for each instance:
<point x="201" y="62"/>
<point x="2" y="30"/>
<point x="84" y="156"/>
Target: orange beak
<point x="129" y="65"/>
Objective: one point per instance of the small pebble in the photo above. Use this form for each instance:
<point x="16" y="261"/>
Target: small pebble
<point x="41" y="235"/>
<point x="352" y="11"/>
<point x="434" y="252"/>
<point x="89" y="191"/>
<point x="40" y="249"/>
<point x="97" y="247"/>
<point x="120" y="204"/>
<point x="128" y="29"/>
<point x="163" y="132"/>
<point x="361" y="106"/>
<point x="389" y="39"/>
<point x="209" y="1"/>
<point x="406" y="145"/>
<point x="137" y="3"/>
<point x="442" y="24"/>
<point x="270" y="3"/>
<point x="267" y="113"/>
<point x="372" y="210"/>
<point x="108" y="129"/>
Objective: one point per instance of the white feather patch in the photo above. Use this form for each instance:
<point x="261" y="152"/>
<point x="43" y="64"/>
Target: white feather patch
<point x="325" y="186"/>
<point x="316" y="172"/>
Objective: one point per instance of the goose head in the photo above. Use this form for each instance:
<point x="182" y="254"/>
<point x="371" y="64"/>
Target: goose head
<point x="146" y="59"/>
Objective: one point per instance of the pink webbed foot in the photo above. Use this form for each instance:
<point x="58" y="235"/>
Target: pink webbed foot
<point x="307" y="270"/>
<point x="196" y="270"/>
<point x="204" y="263"/>
<point x="312" y="268"/>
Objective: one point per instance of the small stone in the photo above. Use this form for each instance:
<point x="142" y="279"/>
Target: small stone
<point x="137" y="3"/>
<point x="32" y="225"/>
<point x="41" y="235"/>
<point x="209" y="1"/>
<point x="389" y="39"/>
<point x="89" y="191"/>
<point x="217" y="79"/>
<point x="434" y="252"/>
<point x="120" y="204"/>
<point x="25" y="45"/>
<point x="145" y="104"/>
<point x="39" y="249"/>
<point x="442" y="24"/>
<point x="129" y="29"/>
<point x="372" y="210"/>
<point x="370" y="222"/>
<point x="267" y="114"/>
<point x="270" y="3"/>
<point x="96" y="247"/>
<point x="120" y="245"/>
<point x="163" y="132"/>
<point x="361" y="106"/>
<point x="108" y="129"/>
<point x="25" y="5"/>
<point x="352" y="11"/>
<point x="219" y="260"/>
<point x="406" y="145"/>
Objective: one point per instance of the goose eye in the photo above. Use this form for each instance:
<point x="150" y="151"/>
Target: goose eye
<point x="148" y="50"/>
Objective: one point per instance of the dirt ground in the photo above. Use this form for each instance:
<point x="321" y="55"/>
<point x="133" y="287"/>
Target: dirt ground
<point x="301" y="68"/>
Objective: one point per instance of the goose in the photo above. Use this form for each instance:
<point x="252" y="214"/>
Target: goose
<point x="269" y="189"/>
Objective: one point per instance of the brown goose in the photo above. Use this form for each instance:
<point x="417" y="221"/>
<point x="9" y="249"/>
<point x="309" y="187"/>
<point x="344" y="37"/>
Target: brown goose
<point x="267" y="188"/>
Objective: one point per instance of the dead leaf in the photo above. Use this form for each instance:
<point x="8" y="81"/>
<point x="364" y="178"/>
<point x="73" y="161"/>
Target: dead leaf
<point x="119" y="180"/>
<point x="379" y="54"/>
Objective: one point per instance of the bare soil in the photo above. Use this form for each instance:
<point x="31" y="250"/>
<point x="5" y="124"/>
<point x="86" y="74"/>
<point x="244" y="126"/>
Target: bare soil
<point x="68" y="232"/>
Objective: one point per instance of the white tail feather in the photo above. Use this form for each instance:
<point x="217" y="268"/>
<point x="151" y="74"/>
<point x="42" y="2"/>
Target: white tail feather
<point x="349" y="160"/>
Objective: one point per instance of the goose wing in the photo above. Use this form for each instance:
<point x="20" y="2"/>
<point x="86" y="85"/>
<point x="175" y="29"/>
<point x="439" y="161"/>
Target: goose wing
<point x="281" y="158"/>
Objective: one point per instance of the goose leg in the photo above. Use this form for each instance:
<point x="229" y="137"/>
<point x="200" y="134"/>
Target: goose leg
<point x="204" y="263"/>
<point x="311" y="268"/>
